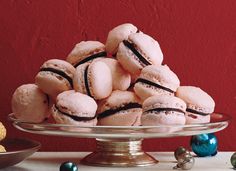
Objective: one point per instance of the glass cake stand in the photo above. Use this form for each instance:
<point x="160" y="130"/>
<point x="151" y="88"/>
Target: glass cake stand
<point x="121" y="146"/>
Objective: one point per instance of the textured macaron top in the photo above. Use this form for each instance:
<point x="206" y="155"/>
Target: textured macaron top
<point x="59" y="67"/>
<point x="117" y="35"/>
<point x="161" y="75"/>
<point x="164" y="102"/>
<point x="86" y="51"/>
<point x="119" y="100"/>
<point x="29" y="103"/>
<point x="77" y="104"/>
<point x="147" y="47"/>
<point x="196" y="99"/>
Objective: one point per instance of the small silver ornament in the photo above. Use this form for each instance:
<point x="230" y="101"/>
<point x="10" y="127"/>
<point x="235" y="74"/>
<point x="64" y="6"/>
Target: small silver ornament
<point x="186" y="162"/>
<point x="179" y="152"/>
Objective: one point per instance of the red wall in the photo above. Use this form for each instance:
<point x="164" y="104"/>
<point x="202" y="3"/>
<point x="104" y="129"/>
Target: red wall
<point x="198" y="39"/>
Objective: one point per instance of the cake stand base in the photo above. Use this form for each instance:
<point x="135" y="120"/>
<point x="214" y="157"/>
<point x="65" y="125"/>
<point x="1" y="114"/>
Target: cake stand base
<point x="119" y="153"/>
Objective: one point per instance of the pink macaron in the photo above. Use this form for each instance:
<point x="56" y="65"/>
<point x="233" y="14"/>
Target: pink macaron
<point x="54" y="77"/>
<point x="120" y="78"/>
<point x="138" y="51"/>
<point x="117" y="35"/>
<point x="30" y="104"/>
<point x="121" y="108"/>
<point x="93" y="79"/>
<point x="199" y="104"/>
<point x="163" y="110"/>
<point x="74" y="108"/>
<point x="86" y="51"/>
<point x="156" y="80"/>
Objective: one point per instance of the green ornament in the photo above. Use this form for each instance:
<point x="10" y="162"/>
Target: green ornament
<point x="179" y="152"/>
<point x="68" y="166"/>
<point x="233" y="160"/>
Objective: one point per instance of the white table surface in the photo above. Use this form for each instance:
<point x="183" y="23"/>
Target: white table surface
<point x="50" y="161"/>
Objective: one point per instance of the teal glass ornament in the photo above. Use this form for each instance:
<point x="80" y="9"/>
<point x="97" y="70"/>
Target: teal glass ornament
<point x="233" y="160"/>
<point x="204" y="145"/>
<point x="68" y="166"/>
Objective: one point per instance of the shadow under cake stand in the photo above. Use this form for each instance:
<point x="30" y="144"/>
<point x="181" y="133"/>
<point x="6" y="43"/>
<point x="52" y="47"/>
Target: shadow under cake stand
<point x="121" y="146"/>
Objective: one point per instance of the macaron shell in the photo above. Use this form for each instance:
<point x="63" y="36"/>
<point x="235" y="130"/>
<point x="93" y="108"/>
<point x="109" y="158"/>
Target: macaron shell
<point x="75" y="103"/>
<point x="148" y="46"/>
<point x="117" y="35"/>
<point x="84" y="49"/>
<point x="78" y="80"/>
<point x="99" y="80"/>
<point x="61" y="65"/>
<point x="144" y="91"/>
<point x="196" y="119"/>
<point x="120" y="78"/>
<point x="164" y="101"/>
<point x="51" y="83"/>
<point x="129" y="117"/>
<point x="163" y="118"/>
<point x="62" y="119"/>
<point x="117" y="99"/>
<point x="30" y="104"/>
<point x="128" y="60"/>
<point x="161" y="75"/>
<point x="196" y="98"/>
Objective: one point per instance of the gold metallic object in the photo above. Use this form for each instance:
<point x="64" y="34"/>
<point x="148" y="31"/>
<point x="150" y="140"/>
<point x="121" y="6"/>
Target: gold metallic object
<point x="3" y="131"/>
<point x="119" y="153"/>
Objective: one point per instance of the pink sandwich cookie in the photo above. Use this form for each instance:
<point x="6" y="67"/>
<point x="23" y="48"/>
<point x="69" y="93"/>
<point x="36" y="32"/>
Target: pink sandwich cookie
<point x="156" y="80"/>
<point x="30" y="104"/>
<point x="163" y="110"/>
<point x="120" y="78"/>
<point x="54" y="77"/>
<point x="86" y="51"/>
<point x="138" y="51"/>
<point x="93" y="79"/>
<point x="117" y="35"/>
<point x="199" y="104"/>
<point x="121" y="108"/>
<point x="74" y="108"/>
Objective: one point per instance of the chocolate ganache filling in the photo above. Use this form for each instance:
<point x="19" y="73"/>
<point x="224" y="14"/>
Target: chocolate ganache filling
<point x="153" y="84"/>
<point x="76" y="118"/>
<point x="86" y="81"/>
<point x="97" y="55"/>
<point x="113" y="111"/>
<point x="165" y="109"/>
<point x="197" y="112"/>
<point x="59" y="72"/>
<point x="132" y="48"/>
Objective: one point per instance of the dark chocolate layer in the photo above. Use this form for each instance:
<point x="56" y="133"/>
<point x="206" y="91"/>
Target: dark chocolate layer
<point x="132" y="48"/>
<point x="165" y="109"/>
<point x="86" y="81"/>
<point x="197" y="112"/>
<point x="59" y="72"/>
<point x="76" y="118"/>
<point x="113" y="111"/>
<point x="153" y="84"/>
<point x="97" y="55"/>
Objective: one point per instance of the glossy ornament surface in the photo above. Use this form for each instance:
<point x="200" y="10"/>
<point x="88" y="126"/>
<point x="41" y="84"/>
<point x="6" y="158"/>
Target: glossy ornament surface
<point x="68" y="166"/>
<point x="233" y="160"/>
<point x="204" y="145"/>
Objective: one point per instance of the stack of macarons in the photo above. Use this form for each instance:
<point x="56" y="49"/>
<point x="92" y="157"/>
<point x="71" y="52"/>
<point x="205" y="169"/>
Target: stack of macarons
<point x="120" y="83"/>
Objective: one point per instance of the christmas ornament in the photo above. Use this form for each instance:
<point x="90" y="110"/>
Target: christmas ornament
<point x="186" y="162"/>
<point x="179" y="152"/>
<point x="204" y="144"/>
<point x="233" y="160"/>
<point x="68" y="166"/>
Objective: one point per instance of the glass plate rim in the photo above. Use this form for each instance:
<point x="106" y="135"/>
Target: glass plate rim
<point x="227" y="118"/>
